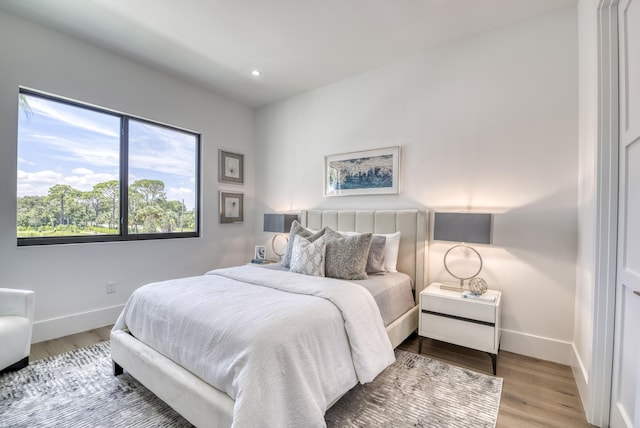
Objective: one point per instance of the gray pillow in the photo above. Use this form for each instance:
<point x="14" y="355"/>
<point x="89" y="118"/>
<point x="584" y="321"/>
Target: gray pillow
<point x="346" y="256"/>
<point x="298" y="229"/>
<point x="375" y="260"/>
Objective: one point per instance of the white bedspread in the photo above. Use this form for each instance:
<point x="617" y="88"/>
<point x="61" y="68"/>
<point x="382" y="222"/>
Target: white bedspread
<point x="284" y="346"/>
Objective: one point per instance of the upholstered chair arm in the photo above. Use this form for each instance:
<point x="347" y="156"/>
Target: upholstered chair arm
<point x="17" y="303"/>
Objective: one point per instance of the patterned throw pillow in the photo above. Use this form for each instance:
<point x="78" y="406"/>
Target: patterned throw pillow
<point x="298" y="229"/>
<point x="308" y="257"/>
<point x="346" y="256"/>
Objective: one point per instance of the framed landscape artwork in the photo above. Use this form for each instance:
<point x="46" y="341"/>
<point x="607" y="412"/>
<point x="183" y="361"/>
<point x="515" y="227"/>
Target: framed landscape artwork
<point x="231" y="167"/>
<point x="231" y="207"/>
<point x="370" y="172"/>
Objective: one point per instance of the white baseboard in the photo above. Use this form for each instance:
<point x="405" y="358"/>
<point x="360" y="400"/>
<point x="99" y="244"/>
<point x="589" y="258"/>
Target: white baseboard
<point x="74" y="323"/>
<point x="540" y="347"/>
<point x="581" y="377"/>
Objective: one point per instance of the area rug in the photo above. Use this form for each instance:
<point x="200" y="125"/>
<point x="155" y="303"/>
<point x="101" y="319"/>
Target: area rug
<point x="78" y="389"/>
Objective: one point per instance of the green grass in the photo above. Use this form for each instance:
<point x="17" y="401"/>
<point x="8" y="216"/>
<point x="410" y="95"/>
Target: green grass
<point x="44" y="231"/>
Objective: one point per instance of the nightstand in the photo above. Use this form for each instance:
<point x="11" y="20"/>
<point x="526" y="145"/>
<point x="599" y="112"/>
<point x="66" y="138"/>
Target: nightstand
<point x="471" y="322"/>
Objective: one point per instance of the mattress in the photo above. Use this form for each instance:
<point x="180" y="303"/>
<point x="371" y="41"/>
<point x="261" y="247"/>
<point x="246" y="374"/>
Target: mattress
<point x="392" y="292"/>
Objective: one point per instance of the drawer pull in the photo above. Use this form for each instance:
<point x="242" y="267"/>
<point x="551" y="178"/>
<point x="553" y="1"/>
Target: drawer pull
<point x="456" y="317"/>
<point x="637" y="293"/>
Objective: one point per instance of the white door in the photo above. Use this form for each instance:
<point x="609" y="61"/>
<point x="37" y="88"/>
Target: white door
<point x="625" y="398"/>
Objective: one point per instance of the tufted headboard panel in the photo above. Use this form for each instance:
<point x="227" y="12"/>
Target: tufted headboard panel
<point x="412" y="224"/>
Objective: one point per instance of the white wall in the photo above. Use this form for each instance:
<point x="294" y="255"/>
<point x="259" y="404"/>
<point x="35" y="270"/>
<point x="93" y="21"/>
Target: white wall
<point x="69" y="280"/>
<point x="487" y="124"/>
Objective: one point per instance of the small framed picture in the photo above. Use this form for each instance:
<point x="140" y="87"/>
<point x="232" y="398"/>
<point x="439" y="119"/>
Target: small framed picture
<point x="231" y="207"/>
<point x="260" y="253"/>
<point x="231" y="167"/>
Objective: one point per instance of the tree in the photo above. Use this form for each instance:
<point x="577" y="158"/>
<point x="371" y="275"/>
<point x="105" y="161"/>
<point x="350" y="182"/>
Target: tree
<point x="32" y="211"/>
<point x="87" y="203"/>
<point x="72" y="211"/>
<point x="173" y="216"/>
<point x="61" y="193"/>
<point x="110" y="190"/>
<point x="146" y="206"/>
<point x="151" y="218"/>
<point x="151" y="190"/>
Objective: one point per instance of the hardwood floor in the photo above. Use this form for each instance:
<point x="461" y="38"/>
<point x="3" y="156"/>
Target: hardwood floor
<point x="535" y="393"/>
<point x="68" y="343"/>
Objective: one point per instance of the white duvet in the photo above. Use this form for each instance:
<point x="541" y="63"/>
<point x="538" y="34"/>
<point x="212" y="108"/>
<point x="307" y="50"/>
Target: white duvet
<point x="284" y="346"/>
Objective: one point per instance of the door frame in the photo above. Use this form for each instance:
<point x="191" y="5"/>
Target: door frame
<point x="604" y="299"/>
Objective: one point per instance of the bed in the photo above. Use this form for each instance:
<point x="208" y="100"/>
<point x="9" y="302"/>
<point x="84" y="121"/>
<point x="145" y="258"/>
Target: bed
<point x="204" y="405"/>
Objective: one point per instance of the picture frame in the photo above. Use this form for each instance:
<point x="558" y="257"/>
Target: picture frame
<point x="368" y="172"/>
<point x="231" y="207"/>
<point x="230" y="167"/>
<point x="260" y="252"/>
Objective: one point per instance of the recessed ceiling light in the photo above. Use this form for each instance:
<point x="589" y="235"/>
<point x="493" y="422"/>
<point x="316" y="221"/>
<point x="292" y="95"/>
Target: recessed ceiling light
<point x="256" y="73"/>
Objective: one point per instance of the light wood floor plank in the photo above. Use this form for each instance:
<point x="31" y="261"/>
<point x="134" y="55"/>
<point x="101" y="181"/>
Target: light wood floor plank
<point x="68" y="343"/>
<point x="535" y="393"/>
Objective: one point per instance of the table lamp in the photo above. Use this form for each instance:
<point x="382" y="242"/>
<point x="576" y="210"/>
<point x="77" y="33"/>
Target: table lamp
<point x="281" y="224"/>
<point x="463" y="228"/>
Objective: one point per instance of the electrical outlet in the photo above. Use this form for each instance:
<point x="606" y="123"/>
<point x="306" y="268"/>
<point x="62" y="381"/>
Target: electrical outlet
<point x="111" y="287"/>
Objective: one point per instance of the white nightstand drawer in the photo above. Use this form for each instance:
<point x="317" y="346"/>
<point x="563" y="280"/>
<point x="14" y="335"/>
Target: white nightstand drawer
<point x="459" y="307"/>
<point x="464" y="333"/>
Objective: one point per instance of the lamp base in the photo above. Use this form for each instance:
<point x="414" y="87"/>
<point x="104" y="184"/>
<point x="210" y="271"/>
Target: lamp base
<point x="273" y="244"/>
<point x="459" y="288"/>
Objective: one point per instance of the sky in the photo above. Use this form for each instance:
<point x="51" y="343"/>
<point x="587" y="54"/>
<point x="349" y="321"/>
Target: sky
<point x="63" y="144"/>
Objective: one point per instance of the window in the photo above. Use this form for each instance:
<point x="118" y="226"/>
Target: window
<point x="87" y="174"/>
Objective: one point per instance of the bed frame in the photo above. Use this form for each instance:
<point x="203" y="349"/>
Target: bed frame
<point x="205" y="406"/>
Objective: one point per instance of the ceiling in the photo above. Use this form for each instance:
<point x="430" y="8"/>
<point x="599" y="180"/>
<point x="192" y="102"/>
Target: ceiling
<point x="298" y="45"/>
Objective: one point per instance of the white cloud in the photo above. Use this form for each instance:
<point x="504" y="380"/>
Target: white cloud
<point x="161" y="161"/>
<point x="159" y="149"/>
<point x="83" y="152"/>
<point x="38" y="183"/>
<point x="24" y="161"/>
<point x="87" y="181"/>
<point x="63" y="114"/>
<point x="81" y="148"/>
<point x="82" y="171"/>
<point x="182" y="194"/>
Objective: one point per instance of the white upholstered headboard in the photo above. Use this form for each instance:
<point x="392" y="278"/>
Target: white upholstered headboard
<point x="412" y="224"/>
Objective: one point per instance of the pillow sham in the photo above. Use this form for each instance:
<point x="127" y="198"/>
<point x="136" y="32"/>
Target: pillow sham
<point x="298" y="229"/>
<point x="391" y="251"/>
<point x="392" y="246"/>
<point x="375" y="259"/>
<point x="346" y="256"/>
<point x="308" y="257"/>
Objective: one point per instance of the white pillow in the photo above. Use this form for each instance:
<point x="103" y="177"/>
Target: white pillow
<point x="391" y="249"/>
<point x="308" y="257"/>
